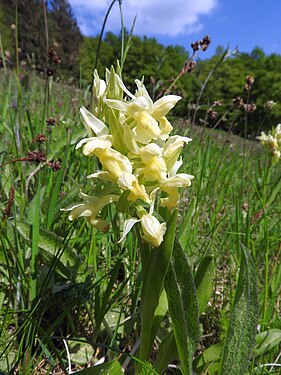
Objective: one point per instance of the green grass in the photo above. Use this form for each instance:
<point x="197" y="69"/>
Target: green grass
<point x="62" y="280"/>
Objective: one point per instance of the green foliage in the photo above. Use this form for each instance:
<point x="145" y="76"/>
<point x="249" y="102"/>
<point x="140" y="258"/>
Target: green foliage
<point x="241" y="334"/>
<point x="183" y="308"/>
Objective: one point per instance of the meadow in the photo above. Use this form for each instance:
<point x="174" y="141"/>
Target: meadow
<point x="71" y="295"/>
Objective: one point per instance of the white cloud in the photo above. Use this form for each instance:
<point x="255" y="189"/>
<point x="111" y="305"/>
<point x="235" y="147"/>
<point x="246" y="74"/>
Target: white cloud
<point x="154" y="17"/>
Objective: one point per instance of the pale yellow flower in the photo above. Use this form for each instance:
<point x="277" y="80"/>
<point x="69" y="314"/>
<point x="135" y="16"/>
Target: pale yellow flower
<point x="154" y="165"/>
<point x="128" y="181"/>
<point x="171" y="186"/>
<point x="113" y="161"/>
<point x="90" y="208"/>
<point x="147" y="127"/>
<point x="153" y="230"/>
<point x="172" y="149"/>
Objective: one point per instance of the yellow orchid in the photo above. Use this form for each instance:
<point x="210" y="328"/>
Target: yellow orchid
<point x="151" y="123"/>
<point x="154" y="165"/>
<point x="131" y="139"/>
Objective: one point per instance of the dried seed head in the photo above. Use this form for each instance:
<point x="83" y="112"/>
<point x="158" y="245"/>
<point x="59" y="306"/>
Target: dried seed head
<point x="250" y="80"/>
<point x="205" y="42"/>
<point x="40" y="138"/>
<point x="51" y="121"/>
<point x="212" y="114"/>
<point x="53" y="56"/>
<point x="55" y="165"/>
<point x="37" y="156"/>
<point x="195" y="46"/>
<point x="238" y="102"/>
<point x="189" y="66"/>
<point x="8" y="208"/>
<point x="249" y="108"/>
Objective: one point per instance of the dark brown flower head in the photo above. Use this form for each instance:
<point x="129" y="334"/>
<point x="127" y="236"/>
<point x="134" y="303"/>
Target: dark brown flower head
<point x="212" y="114"/>
<point x="189" y="66"/>
<point x="217" y="103"/>
<point x="249" y="108"/>
<point x="205" y="42"/>
<point x="250" y="80"/>
<point x="8" y="208"/>
<point x="51" y="121"/>
<point x="37" y="156"/>
<point x="55" y="165"/>
<point x="53" y="56"/>
<point x="50" y="72"/>
<point x="238" y="102"/>
<point x="195" y="46"/>
<point x="40" y="138"/>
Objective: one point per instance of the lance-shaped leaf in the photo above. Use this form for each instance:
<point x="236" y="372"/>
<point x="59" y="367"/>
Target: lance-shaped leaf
<point x="241" y="334"/>
<point x="108" y="368"/>
<point x="183" y="308"/>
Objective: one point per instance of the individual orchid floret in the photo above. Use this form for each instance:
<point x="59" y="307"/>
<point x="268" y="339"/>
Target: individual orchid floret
<point x="172" y="149"/>
<point x="152" y="230"/>
<point x="165" y="128"/>
<point x="113" y="161"/>
<point x="147" y="127"/>
<point x="128" y="181"/>
<point x="99" y="85"/>
<point x="171" y="186"/>
<point x="90" y="208"/>
<point x="154" y="165"/>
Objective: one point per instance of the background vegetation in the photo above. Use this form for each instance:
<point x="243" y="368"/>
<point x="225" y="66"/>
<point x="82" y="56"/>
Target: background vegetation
<point x="67" y="55"/>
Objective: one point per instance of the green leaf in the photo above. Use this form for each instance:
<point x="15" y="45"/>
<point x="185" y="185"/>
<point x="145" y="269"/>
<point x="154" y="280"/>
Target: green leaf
<point x="167" y="353"/>
<point x="153" y="280"/>
<point x="183" y="308"/>
<point x="50" y="246"/>
<point x="266" y="340"/>
<point x="241" y="334"/>
<point x="210" y="358"/>
<point x="204" y="282"/>
<point x="109" y="368"/>
<point x="35" y="242"/>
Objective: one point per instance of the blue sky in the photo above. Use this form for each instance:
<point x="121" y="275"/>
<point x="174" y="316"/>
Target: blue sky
<point x="242" y="23"/>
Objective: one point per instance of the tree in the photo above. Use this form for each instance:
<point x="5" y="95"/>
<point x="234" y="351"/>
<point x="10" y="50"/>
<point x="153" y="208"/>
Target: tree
<point x="66" y="33"/>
